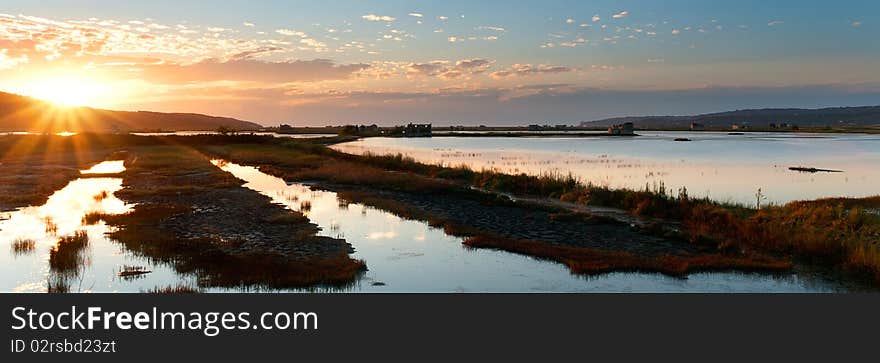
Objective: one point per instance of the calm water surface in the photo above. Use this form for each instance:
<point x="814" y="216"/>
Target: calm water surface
<point x="410" y="256"/>
<point x="28" y="235"/>
<point x="404" y="255"/>
<point x="728" y="168"/>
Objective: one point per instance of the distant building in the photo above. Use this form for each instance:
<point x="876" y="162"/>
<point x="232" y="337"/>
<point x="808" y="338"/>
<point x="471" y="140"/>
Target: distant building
<point x="696" y="126"/>
<point x="360" y="130"/>
<point x="742" y="126"/>
<point x="622" y="129"/>
<point x="414" y="130"/>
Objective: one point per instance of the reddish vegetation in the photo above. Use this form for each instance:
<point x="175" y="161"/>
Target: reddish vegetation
<point x="592" y="261"/>
<point x="835" y="232"/>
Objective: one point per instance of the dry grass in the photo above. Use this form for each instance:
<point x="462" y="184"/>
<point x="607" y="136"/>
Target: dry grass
<point x="176" y="289"/>
<point x="66" y="256"/>
<point x="289" y="217"/>
<point x="23" y="246"/>
<point x="593" y="261"/>
<point x="839" y="233"/>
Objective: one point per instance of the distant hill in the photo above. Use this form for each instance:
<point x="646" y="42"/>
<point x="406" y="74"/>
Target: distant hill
<point x="833" y="117"/>
<point x="20" y="113"/>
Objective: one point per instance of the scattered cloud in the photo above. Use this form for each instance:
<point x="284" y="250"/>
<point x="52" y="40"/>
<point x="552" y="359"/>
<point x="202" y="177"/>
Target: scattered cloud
<point x="775" y="23"/>
<point x="416" y="15"/>
<point x="492" y="28"/>
<point x="523" y="70"/>
<point x="247" y="69"/>
<point x="374" y="17"/>
<point x="620" y="15"/>
<point x="291" y="33"/>
<point x="856" y="24"/>
<point x="676" y="32"/>
<point x="596" y="18"/>
<point x="569" y="21"/>
<point x="248" y="24"/>
<point x="446" y="70"/>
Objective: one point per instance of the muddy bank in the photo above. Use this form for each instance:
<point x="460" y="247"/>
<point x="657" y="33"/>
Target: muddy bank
<point x="515" y="227"/>
<point x="191" y="214"/>
<point x="479" y="213"/>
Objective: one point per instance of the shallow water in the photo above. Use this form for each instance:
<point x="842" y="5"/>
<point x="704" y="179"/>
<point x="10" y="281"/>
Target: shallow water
<point x="405" y="256"/>
<point x="410" y="256"/>
<point x="28" y="234"/>
<point x="274" y="134"/>
<point x="729" y="168"/>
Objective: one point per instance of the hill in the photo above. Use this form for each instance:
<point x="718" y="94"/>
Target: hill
<point x="20" y="113"/>
<point x="760" y="118"/>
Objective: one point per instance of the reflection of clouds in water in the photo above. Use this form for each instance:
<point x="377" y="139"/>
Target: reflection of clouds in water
<point x="717" y="165"/>
<point x="404" y="255"/>
<point x="410" y="256"/>
<point x="382" y="235"/>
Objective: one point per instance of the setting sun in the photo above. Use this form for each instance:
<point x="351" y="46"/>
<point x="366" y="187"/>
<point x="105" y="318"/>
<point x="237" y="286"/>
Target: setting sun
<point x="65" y="90"/>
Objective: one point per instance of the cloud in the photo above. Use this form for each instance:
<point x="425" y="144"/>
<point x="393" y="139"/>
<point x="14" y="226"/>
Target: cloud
<point x="447" y="71"/>
<point x="291" y="33"/>
<point x="247" y="69"/>
<point x="620" y="15"/>
<point x="452" y="39"/>
<point x="775" y="23"/>
<point x="523" y="70"/>
<point x="676" y="32"/>
<point x="569" y="21"/>
<point x="554" y="103"/>
<point x="596" y="18"/>
<point x="417" y="15"/>
<point x="248" y="24"/>
<point x="442" y="18"/>
<point x="374" y="17"/>
<point x="856" y="24"/>
<point x="492" y="28"/>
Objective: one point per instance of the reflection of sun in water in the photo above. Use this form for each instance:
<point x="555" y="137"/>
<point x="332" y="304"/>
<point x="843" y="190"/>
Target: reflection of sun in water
<point x="65" y="90"/>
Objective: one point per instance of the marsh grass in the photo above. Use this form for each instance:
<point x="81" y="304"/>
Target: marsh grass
<point x="101" y="196"/>
<point x="93" y="218"/>
<point x="289" y="217"/>
<point x="67" y="255"/>
<point x="218" y="261"/>
<point x="841" y="232"/>
<point x="132" y="272"/>
<point x="581" y="260"/>
<point x="23" y="246"/>
<point x="174" y="289"/>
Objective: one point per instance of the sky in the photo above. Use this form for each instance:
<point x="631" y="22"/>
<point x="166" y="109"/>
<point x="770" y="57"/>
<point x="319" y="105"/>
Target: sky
<point x="446" y="62"/>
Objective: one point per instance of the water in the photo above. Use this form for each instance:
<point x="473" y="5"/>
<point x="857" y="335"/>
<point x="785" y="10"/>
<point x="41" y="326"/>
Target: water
<point x="187" y="133"/>
<point x="728" y="168"/>
<point x="28" y="234"/>
<point x="410" y="256"/>
<point x="404" y="255"/>
<point x="261" y="133"/>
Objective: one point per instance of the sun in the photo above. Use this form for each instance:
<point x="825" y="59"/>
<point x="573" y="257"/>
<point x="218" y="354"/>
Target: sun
<point x="65" y="90"/>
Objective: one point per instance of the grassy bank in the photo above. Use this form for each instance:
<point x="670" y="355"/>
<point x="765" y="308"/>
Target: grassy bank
<point x="298" y="161"/>
<point x="839" y="233"/>
<point x="172" y="186"/>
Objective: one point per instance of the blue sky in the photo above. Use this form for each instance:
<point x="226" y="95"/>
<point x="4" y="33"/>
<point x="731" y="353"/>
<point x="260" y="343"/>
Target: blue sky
<point x="393" y="57"/>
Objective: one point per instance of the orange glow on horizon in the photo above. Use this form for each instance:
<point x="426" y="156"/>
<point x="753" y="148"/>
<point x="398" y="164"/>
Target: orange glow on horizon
<point x="67" y="90"/>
